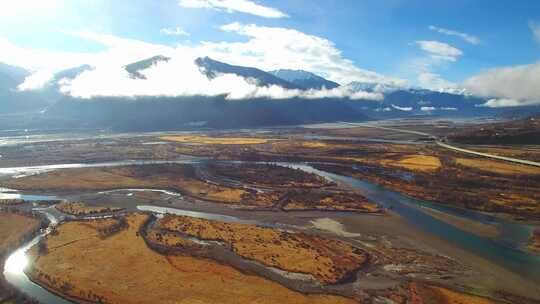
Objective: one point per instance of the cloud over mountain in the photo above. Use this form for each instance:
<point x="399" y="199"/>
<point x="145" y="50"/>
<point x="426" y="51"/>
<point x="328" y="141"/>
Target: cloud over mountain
<point x="509" y="86"/>
<point x="271" y="48"/>
<point x="267" y="48"/>
<point x="164" y="79"/>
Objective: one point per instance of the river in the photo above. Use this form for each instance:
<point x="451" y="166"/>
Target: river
<point x="502" y="251"/>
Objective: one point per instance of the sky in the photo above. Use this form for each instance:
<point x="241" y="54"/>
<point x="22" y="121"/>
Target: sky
<point x="489" y="48"/>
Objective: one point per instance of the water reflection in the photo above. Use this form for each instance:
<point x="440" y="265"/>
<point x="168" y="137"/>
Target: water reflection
<point x="16" y="263"/>
<point x="196" y="214"/>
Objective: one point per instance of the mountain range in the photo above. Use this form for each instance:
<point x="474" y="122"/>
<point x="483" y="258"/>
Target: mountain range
<point x="50" y="108"/>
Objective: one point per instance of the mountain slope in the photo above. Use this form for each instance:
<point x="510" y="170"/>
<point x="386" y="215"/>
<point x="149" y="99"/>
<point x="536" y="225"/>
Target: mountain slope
<point x="11" y="76"/>
<point x="11" y="99"/>
<point x="134" y="69"/>
<point x="304" y="79"/>
<point x="173" y="113"/>
<point x="212" y="68"/>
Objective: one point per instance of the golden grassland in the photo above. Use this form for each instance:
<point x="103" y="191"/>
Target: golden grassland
<point x="122" y="269"/>
<point x="329" y="261"/>
<point x="13" y="227"/>
<point x="329" y="201"/>
<point x="209" y="140"/>
<point x="495" y="166"/>
<point x="78" y="208"/>
<point x="414" y="162"/>
<point x="314" y="144"/>
<point x="304" y="146"/>
<point x="177" y="177"/>
<point x="425" y="294"/>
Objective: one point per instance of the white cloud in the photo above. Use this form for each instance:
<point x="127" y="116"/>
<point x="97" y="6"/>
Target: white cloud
<point x="509" y="86"/>
<point x="435" y="82"/>
<point x="38" y="59"/>
<point x="267" y="48"/>
<point x="448" y="109"/>
<point x="535" y="27"/>
<point x="424" y="68"/>
<point x="427" y="109"/>
<point x="119" y="52"/>
<point x="406" y="109"/>
<point x="163" y="79"/>
<point x="36" y="80"/>
<point x="169" y="31"/>
<point x="270" y="48"/>
<point x="467" y="37"/>
<point x="440" y="50"/>
<point x="243" y="6"/>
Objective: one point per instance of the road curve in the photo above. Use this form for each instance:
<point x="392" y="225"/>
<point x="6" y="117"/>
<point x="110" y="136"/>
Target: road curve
<point x="447" y="146"/>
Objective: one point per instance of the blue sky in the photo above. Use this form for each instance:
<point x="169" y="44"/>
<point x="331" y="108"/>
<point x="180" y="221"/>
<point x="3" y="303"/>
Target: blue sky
<point x="434" y="44"/>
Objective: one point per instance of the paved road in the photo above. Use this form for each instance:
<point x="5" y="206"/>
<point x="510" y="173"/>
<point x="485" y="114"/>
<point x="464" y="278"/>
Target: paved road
<point x="448" y="146"/>
<point x="510" y="159"/>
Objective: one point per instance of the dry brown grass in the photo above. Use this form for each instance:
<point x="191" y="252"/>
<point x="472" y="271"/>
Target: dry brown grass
<point x="122" y="269"/>
<point x="329" y="261"/>
<point x="13" y="227"/>
<point x="329" y="201"/>
<point x="208" y="140"/>
<point x="314" y="144"/>
<point x="174" y="176"/>
<point x="414" y="162"/>
<point x="499" y="167"/>
<point x="424" y="294"/>
<point x="77" y="208"/>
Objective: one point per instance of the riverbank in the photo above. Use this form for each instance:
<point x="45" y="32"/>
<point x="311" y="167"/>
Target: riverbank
<point x="15" y="229"/>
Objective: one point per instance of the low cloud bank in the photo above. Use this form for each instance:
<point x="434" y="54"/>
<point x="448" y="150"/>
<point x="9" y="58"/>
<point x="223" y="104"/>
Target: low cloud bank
<point x="508" y="86"/>
<point x="180" y="76"/>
